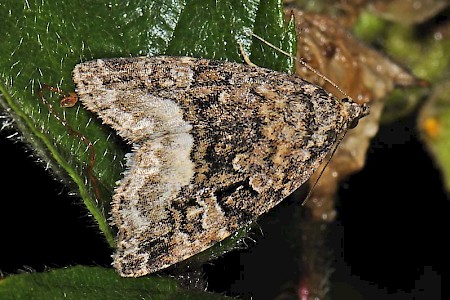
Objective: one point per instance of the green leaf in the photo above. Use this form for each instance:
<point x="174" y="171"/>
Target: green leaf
<point x="94" y="283"/>
<point x="434" y="126"/>
<point x="43" y="40"/>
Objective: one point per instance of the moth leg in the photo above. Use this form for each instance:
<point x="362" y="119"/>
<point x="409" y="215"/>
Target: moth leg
<point x="245" y="56"/>
<point x="68" y="100"/>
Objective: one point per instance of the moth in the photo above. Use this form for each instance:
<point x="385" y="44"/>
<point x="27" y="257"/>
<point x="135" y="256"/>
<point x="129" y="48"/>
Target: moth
<point x="215" y="145"/>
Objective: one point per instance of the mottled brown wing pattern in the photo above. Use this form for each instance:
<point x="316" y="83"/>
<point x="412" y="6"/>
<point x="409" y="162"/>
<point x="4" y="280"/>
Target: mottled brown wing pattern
<point x="215" y="145"/>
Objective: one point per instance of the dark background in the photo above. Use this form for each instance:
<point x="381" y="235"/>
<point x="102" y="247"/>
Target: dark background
<point x="388" y="240"/>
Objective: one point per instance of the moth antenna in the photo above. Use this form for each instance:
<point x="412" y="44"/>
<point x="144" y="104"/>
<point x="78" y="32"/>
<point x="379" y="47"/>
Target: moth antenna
<point x="303" y="63"/>
<point x="311" y="190"/>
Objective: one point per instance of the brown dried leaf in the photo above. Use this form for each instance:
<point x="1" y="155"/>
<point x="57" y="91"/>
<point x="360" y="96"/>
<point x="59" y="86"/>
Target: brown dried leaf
<point x="364" y="74"/>
<point x="408" y="12"/>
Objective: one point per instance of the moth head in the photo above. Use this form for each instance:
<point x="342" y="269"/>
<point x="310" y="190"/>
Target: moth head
<point x="355" y="111"/>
